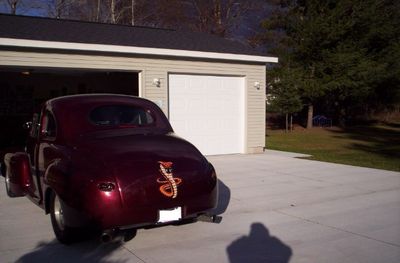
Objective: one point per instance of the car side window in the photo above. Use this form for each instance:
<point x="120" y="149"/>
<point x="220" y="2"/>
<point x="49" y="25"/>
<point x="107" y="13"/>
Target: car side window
<point x="48" y="126"/>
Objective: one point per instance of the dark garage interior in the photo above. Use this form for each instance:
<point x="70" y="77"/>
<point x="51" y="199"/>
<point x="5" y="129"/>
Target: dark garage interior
<point x="23" y="90"/>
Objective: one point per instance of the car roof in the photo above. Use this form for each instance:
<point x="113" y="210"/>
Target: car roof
<point x="72" y="112"/>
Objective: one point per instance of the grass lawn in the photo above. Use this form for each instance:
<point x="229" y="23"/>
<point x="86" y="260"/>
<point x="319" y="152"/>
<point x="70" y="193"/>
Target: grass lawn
<point x="376" y="146"/>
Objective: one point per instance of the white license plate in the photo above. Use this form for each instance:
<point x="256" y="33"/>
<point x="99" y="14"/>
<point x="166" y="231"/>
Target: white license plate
<point x="170" y="215"/>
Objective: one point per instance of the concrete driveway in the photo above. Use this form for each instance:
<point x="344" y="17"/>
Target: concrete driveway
<point x="275" y="208"/>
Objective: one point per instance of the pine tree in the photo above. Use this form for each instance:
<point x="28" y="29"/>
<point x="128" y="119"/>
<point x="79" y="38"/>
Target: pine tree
<point x="346" y="53"/>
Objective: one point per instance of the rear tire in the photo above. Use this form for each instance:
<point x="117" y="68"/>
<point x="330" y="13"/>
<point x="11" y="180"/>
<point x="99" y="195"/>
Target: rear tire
<point x="63" y="233"/>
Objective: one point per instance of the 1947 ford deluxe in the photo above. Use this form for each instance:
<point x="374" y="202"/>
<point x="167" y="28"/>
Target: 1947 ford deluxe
<point x="111" y="161"/>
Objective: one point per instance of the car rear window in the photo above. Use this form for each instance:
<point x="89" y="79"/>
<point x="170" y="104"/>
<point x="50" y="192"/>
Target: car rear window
<point x="121" y="116"/>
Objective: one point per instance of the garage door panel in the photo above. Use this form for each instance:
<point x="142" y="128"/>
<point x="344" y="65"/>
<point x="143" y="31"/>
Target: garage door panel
<point x="208" y="111"/>
<point x="177" y="82"/>
<point x="196" y="127"/>
<point x="180" y="125"/>
<point x="213" y="106"/>
<point x="196" y="105"/>
<point x="180" y="105"/>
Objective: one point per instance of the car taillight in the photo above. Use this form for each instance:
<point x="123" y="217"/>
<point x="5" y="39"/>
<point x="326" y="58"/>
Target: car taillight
<point x="106" y="187"/>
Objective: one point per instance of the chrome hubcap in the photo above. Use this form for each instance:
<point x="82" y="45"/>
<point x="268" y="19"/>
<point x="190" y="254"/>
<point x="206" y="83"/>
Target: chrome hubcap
<point x="58" y="213"/>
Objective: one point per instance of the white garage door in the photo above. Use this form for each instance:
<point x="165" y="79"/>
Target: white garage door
<point x="208" y="111"/>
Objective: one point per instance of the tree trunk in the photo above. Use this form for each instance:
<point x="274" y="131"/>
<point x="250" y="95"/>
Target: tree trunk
<point x="60" y="7"/>
<point x="291" y="122"/>
<point x="310" y="116"/>
<point x="342" y="118"/>
<point x="112" y="9"/>
<point x="98" y="10"/>
<point x="13" y="6"/>
<point x="133" y="12"/>
<point x="286" y="123"/>
<point x="217" y="12"/>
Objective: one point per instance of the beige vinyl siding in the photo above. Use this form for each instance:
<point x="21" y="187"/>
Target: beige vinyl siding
<point x="151" y="68"/>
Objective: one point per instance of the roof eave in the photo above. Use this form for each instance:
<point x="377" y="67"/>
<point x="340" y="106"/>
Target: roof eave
<point x="12" y="42"/>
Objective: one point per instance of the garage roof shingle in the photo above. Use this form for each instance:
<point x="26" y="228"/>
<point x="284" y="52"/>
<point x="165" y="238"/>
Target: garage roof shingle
<point x="48" y="29"/>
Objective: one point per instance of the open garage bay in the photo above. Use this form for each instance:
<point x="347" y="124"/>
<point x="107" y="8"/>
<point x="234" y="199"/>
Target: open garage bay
<point x="23" y="90"/>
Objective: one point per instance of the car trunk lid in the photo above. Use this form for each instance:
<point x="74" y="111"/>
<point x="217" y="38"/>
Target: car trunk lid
<point x="151" y="170"/>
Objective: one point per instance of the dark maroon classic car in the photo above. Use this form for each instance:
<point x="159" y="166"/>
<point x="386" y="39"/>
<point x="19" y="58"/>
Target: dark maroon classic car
<point x="109" y="161"/>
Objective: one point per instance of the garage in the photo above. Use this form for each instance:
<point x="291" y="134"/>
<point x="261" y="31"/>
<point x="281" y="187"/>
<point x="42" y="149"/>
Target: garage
<point x="212" y="89"/>
<point x="23" y="90"/>
<point x="208" y="111"/>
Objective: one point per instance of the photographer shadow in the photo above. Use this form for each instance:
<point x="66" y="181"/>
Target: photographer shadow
<point x="258" y="247"/>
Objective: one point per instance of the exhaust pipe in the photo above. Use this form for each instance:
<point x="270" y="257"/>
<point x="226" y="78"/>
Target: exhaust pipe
<point x="108" y="235"/>
<point x="210" y="218"/>
<point x="117" y="234"/>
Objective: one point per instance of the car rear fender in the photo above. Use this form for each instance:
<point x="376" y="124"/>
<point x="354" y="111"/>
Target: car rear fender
<point x="56" y="178"/>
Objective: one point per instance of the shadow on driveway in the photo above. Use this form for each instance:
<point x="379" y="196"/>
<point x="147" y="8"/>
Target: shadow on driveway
<point x="258" y="247"/>
<point x="224" y="197"/>
<point x="89" y="251"/>
<point x="94" y="251"/>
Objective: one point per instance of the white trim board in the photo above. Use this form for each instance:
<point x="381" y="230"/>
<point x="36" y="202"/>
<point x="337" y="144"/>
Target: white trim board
<point x="133" y="50"/>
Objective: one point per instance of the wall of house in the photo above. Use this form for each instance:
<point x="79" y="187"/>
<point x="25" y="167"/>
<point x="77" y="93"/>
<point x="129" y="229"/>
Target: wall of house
<point x="151" y="68"/>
